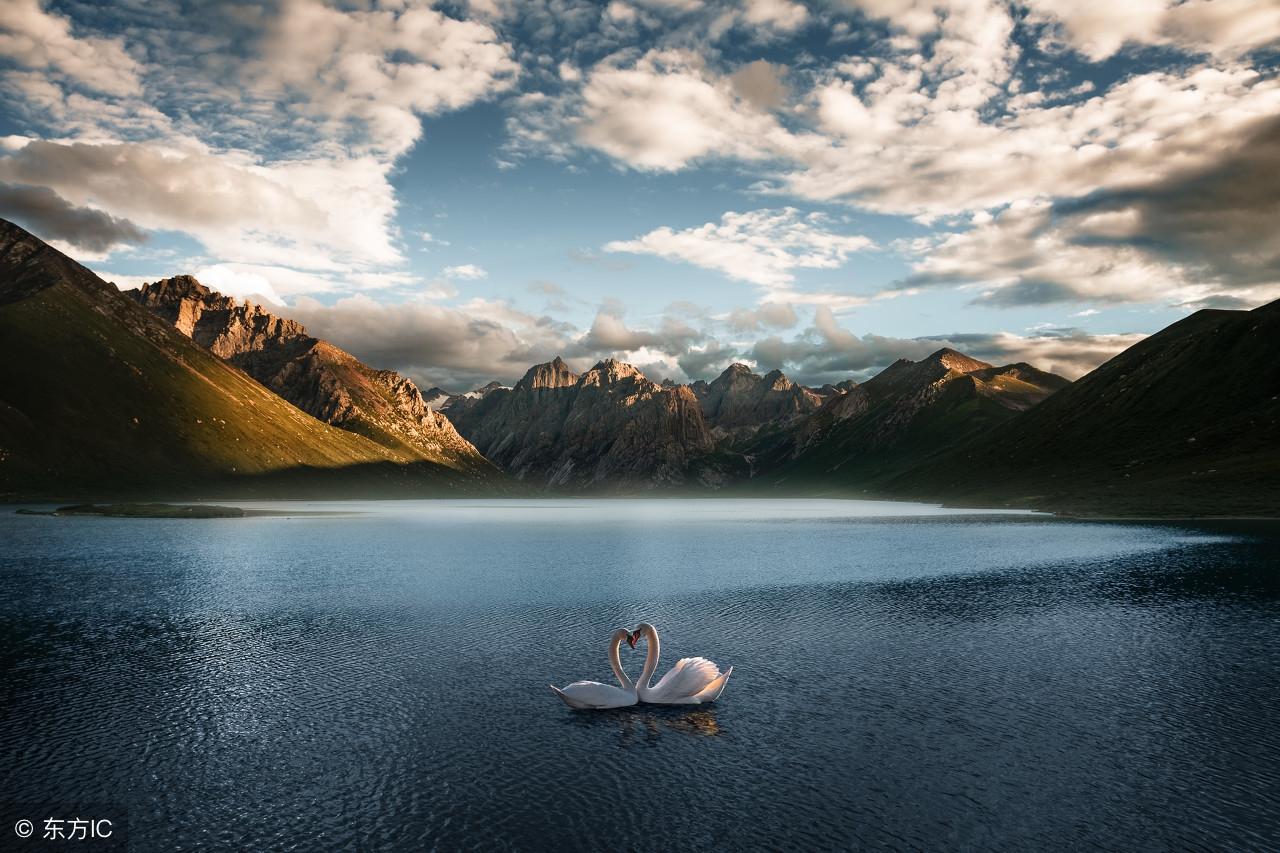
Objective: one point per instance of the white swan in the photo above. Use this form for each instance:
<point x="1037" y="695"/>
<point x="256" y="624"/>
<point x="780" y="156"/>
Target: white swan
<point x="592" y="695"/>
<point x="691" y="681"/>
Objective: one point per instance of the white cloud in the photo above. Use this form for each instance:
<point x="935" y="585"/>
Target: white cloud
<point x="466" y="272"/>
<point x="1226" y="28"/>
<point x="281" y="157"/>
<point x="381" y="68"/>
<point x="38" y="40"/>
<point x="668" y="110"/>
<point x="762" y="247"/>
<point x="782" y="15"/>
<point x="242" y="283"/>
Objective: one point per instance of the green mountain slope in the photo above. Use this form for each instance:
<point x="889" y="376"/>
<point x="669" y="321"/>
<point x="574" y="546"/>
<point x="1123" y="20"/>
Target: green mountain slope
<point x="319" y="378"/>
<point x="99" y="397"/>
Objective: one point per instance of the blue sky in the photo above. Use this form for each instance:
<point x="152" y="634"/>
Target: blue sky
<point x="458" y="190"/>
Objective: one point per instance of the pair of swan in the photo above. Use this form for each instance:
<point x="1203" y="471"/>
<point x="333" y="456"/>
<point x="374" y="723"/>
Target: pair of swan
<point x="691" y="681"/>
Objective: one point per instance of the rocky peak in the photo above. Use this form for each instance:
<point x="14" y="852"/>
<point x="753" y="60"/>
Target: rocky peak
<point x="956" y="361"/>
<point x="322" y="380"/>
<point x="552" y="374"/>
<point x="609" y="372"/>
<point x="776" y="380"/>
<point x="213" y="320"/>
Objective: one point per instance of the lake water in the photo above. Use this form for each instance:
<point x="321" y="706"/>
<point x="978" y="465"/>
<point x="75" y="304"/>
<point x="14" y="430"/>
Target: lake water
<point x="904" y="677"/>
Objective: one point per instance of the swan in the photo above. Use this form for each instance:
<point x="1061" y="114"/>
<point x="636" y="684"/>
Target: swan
<point x="691" y="681"/>
<point x="593" y="695"/>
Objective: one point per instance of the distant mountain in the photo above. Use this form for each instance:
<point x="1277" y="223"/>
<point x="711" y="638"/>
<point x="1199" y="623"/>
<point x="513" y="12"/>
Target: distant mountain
<point x="908" y="412"/>
<point x="317" y="377"/>
<point x="100" y="397"/>
<point x="611" y="428"/>
<point x="1185" y="422"/>
<point x="738" y="403"/>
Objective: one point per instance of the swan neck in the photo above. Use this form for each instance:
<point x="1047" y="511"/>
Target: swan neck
<point x="651" y="656"/>
<point x="615" y="662"/>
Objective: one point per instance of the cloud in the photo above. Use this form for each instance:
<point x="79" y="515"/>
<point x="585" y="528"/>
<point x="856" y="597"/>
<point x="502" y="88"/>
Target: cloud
<point x="668" y="110"/>
<point x="52" y="217"/>
<point x="762" y="247"/>
<point x="34" y="39"/>
<point x="781" y="15"/>
<point x="1200" y="233"/>
<point x="768" y="315"/>
<point x="268" y="134"/>
<point x="240" y="208"/>
<point x="466" y="272"/>
<point x="454" y="347"/>
<point x="761" y="84"/>
<point x="1226" y="28"/>
<point x="827" y="352"/>
<point x="1219" y="219"/>
<point x="380" y="69"/>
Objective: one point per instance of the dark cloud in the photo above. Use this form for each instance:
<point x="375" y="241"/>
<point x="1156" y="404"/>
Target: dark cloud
<point x="1222" y="218"/>
<point x="52" y="217"/>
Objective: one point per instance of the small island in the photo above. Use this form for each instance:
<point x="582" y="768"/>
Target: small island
<point x="145" y="510"/>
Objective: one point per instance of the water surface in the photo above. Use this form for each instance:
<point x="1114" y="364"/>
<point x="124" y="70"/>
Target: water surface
<point x="905" y="677"/>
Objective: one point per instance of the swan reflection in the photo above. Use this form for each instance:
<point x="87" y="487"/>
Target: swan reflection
<point x="648" y="723"/>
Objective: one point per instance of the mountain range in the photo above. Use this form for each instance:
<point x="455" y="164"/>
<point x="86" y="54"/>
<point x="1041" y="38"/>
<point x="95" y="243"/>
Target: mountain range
<point x="175" y="389"/>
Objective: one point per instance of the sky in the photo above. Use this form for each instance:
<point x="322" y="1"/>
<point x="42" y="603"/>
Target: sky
<point x="459" y="190"/>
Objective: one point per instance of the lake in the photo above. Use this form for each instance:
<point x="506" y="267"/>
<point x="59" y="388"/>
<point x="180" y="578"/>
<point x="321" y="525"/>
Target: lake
<point x="904" y="677"/>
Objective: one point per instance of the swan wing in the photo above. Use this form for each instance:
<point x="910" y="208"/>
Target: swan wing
<point x="594" y="695"/>
<point x="689" y="677"/>
<point x="712" y="691"/>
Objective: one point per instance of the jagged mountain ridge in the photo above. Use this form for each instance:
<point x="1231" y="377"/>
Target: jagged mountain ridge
<point x="317" y="377"/>
<point x="910" y="410"/>
<point x="739" y="402"/>
<point x="98" y="397"/>
<point x="608" y="428"/>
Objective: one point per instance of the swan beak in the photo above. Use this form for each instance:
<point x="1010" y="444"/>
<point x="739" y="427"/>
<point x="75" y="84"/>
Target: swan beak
<point x="632" y="637"/>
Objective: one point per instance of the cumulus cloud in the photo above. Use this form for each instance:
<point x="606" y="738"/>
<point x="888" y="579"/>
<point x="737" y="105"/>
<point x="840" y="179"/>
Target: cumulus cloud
<point x="241" y="208"/>
<point x="378" y="68"/>
<point x="457" y="348"/>
<point x="762" y="247"/>
<point x="1199" y="234"/>
<point x="44" y="42"/>
<point x="1223" y="27"/>
<point x="668" y="109"/>
<point x="52" y="217"/>
<point x="269" y="134"/>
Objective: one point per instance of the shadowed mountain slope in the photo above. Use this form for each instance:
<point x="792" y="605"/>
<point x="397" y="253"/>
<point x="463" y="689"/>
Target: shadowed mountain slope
<point x="609" y="429"/>
<point x="909" y="411"/>
<point x="738" y="402"/>
<point x="1185" y="422"/>
<point x="99" y="397"/>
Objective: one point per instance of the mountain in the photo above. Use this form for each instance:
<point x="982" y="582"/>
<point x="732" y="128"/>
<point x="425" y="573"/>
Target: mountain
<point x="1185" y="422"/>
<point x="457" y="405"/>
<point x="324" y="381"/>
<point x="99" y="397"/>
<point x="907" y="412"/>
<point x="610" y="428"/>
<point x="737" y="403"/>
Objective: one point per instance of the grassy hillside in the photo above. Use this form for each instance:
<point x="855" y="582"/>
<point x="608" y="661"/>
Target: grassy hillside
<point x="98" y="397"/>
